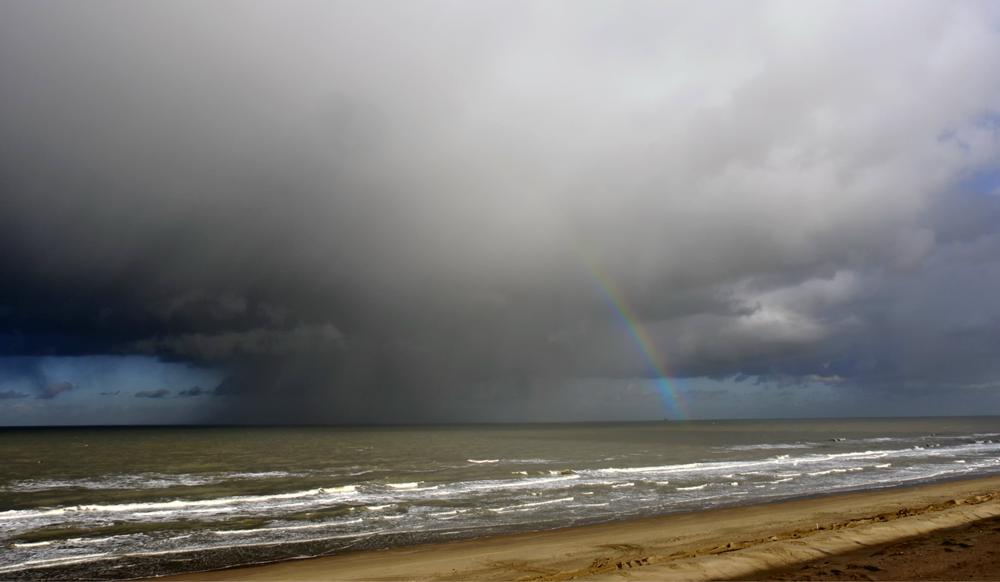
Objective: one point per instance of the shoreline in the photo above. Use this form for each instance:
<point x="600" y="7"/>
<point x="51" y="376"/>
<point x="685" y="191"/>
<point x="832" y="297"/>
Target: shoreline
<point x="724" y="543"/>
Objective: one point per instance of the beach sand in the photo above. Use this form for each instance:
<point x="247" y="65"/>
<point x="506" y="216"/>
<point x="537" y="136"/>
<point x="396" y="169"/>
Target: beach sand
<point x="969" y="552"/>
<point x="940" y="531"/>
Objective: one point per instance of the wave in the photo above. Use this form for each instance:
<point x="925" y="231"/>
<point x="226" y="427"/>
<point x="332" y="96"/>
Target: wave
<point x="492" y="485"/>
<point x="786" y="460"/>
<point x="410" y="487"/>
<point x="141" y="481"/>
<point x="813" y="464"/>
<point x="769" y="466"/>
<point x="405" y="507"/>
<point x="478" y="461"/>
<point x="837" y="470"/>
<point x="526" y="506"/>
<point x="226" y="532"/>
<point x="328" y="492"/>
<point x="63" y="561"/>
<point x="769" y="446"/>
<point x="308" y="497"/>
<point x="35" y="544"/>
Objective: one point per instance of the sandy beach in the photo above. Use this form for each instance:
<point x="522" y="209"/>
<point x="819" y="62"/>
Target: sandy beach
<point x="941" y="530"/>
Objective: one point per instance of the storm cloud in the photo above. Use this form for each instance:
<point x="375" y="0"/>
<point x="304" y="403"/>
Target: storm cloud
<point x="158" y="393"/>
<point x="405" y="211"/>
<point x="52" y="390"/>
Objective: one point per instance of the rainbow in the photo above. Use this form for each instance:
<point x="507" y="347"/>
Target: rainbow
<point x="673" y="406"/>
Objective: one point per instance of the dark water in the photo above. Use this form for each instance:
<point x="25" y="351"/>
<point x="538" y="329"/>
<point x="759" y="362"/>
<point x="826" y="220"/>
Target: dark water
<point x="118" y="503"/>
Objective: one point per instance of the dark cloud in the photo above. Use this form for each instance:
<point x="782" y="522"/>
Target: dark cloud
<point x="158" y="393"/>
<point x="192" y="392"/>
<point x="367" y="210"/>
<point x="50" y="391"/>
<point x="115" y="393"/>
<point x="11" y="395"/>
<point x="245" y="344"/>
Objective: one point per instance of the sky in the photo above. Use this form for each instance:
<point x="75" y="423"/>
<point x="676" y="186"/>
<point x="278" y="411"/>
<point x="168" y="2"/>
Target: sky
<point x="387" y="212"/>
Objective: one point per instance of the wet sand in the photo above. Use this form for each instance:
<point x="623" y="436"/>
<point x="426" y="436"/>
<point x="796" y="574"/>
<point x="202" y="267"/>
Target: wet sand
<point x="864" y="535"/>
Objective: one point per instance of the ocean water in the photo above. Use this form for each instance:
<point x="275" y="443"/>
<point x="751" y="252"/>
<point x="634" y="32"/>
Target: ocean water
<point x="113" y="503"/>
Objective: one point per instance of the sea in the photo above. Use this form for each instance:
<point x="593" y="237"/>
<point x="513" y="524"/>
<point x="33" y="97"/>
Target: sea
<point x="119" y="503"/>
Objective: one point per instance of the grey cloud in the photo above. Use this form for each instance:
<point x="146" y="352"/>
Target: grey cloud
<point x="158" y="393"/>
<point x="246" y="344"/>
<point x="355" y="207"/>
<point x="192" y="392"/>
<point x="11" y="395"/>
<point x="50" y="391"/>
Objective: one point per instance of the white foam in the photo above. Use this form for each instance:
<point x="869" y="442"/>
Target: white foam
<point x="226" y="532"/>
<point x="141" y="481"/>
<point x="25" y="513"/>
<point x="786" y="460"/>
<point x="693" y="488"/>
<point x="150" y="508"/>
<point x="620" y="485"/>
<point x="526" y="506"/>
<point x="54" y="561"/>
<point x="513" y="484"/>
<point x="34" y="544"/>
<point x="483" y="460"/>
<point x="827" y="472"/>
